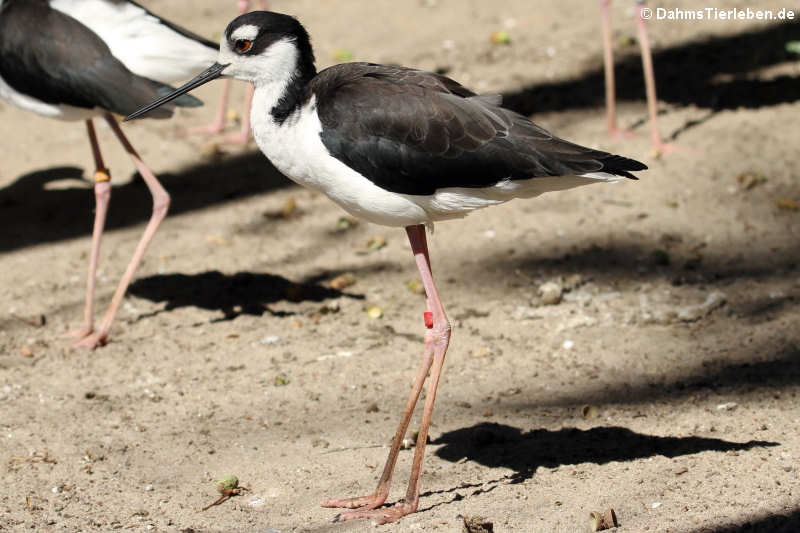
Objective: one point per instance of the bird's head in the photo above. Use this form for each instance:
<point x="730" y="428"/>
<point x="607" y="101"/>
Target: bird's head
<point x="263" y="46"/>
<point x="260" y="47"/>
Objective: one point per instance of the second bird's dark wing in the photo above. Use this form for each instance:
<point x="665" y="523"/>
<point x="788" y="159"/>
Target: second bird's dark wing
<point x="414" y="132"/>
<point x="54" y="58"/>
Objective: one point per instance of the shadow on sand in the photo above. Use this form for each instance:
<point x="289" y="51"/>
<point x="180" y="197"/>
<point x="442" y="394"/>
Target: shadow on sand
<point x="236" y="294"/>
<point x="32" y="214"/>
<point x="496" y="445"/>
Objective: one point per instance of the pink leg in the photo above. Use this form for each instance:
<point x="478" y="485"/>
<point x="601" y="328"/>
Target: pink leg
<point x="219" y="122"/>
<point x="102" y="195"/>
<point x="244" y="5"/>
<point x="437" y="338"/>
<point x="218" y="126"/>
<point x="243" y="137"/>
<point x="659" y="147"/>
<point x="608" y="69"/>
<point x="161" y="203"/>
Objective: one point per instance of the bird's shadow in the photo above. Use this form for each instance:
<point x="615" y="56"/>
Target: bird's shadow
<point x="34" y="211"/>
<point x="782" y="523"/>
<point x="500" y="446"/>
<point x="233" y="294"/>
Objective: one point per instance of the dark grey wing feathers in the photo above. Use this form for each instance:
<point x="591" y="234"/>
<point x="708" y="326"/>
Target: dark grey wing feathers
<point x="414" y="132"/>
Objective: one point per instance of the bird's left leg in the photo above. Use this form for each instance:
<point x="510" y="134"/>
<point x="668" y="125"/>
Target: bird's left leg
<point x="608" y="70"/>
<point x="659" y="146"/>
<point x="437" y="338"/>
<point x="161" y="203"/>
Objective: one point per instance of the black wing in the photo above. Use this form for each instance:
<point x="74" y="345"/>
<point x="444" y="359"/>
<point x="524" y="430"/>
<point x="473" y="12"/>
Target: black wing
<point x="54" y="58"/>
<point x="414" y="132"/>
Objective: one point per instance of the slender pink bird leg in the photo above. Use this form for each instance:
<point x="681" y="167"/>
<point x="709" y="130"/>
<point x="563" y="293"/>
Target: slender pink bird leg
<point x="222" y="110"/>
<point x="659" y="146"/>
<point x="437" y="338"/>
<point x="102" y="195"/>
<point x="218" y="126"/>
<point x="608" y="69"/>
<point x="244" y="5"/>
<point x="161" y="203"/>
<point x="243" y="137"/>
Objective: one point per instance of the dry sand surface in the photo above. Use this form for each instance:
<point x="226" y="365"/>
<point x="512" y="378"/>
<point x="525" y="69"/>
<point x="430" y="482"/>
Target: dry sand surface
<point x="663" y="385"/>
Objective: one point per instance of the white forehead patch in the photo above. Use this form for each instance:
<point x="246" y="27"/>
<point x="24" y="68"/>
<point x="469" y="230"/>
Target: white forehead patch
<point x="248" y="32"/>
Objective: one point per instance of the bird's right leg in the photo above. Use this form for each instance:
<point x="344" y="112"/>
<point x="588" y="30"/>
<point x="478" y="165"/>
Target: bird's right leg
<point x="102" y="195"/>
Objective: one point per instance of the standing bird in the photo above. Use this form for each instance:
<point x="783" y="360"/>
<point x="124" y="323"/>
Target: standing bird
<point x="398" y="147"/>
<point x="78" y="59"/>
<point x="659" y="146"/>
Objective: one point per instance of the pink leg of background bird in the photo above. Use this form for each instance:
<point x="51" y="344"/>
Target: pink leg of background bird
<point x="218" y="126"/>
<point x="608" y="66"/>
<point x="161" y="203"/>
<point x="437" y="338"/>
<point x="102" y="194"/>
<point x="659" y="146"/>
<point x="649" y="77"/>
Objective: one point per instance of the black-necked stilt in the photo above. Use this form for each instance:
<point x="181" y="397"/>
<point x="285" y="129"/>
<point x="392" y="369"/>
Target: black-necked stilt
<point x="398" y="147"/>
<point x="77" y="59"/>
<point x="659" y="146"/>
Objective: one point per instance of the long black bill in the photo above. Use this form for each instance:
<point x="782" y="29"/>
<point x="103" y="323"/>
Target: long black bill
<point x="211" y="73"/>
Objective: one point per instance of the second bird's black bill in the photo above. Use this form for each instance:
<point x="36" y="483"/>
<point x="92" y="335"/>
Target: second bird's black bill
<point x="211" y="73"/>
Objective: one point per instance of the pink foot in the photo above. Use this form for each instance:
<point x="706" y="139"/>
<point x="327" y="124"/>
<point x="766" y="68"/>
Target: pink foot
<point x="364" y="502"/>
<point x="209" y="129"/>
<point x="661" y="148"/>
<point x="616" y="133"/>
<point x="91" y="341"/>
<point x="239" y="138"/>
<point x="78" y="334"/>
<point x="380" y="516"/>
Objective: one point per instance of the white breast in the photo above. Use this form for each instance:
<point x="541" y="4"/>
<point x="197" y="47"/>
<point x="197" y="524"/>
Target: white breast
<point x="296" y="149"/>
<point x="147" y="47"/>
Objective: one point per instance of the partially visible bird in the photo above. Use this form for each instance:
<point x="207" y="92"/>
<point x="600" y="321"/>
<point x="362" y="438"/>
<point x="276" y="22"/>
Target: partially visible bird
<point x="218" y="126"/>
<point x="78" y="59"/>
<point x="399" y="147"/>
<point x="148" y="45"/>
<point x="659" y="146"/>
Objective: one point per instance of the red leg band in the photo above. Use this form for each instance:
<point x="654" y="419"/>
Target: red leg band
<point x="428" y="319"/>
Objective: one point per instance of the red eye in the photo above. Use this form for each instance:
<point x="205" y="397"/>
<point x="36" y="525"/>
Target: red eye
<point x="243" y="45"/>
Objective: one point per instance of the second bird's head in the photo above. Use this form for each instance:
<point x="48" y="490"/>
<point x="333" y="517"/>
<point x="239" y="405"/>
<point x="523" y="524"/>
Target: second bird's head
<point x="259" y="47"/>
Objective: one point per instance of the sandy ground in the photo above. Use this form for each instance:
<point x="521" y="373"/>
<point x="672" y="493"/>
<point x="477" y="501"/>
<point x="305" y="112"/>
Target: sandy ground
<point x="664" y="384"/>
